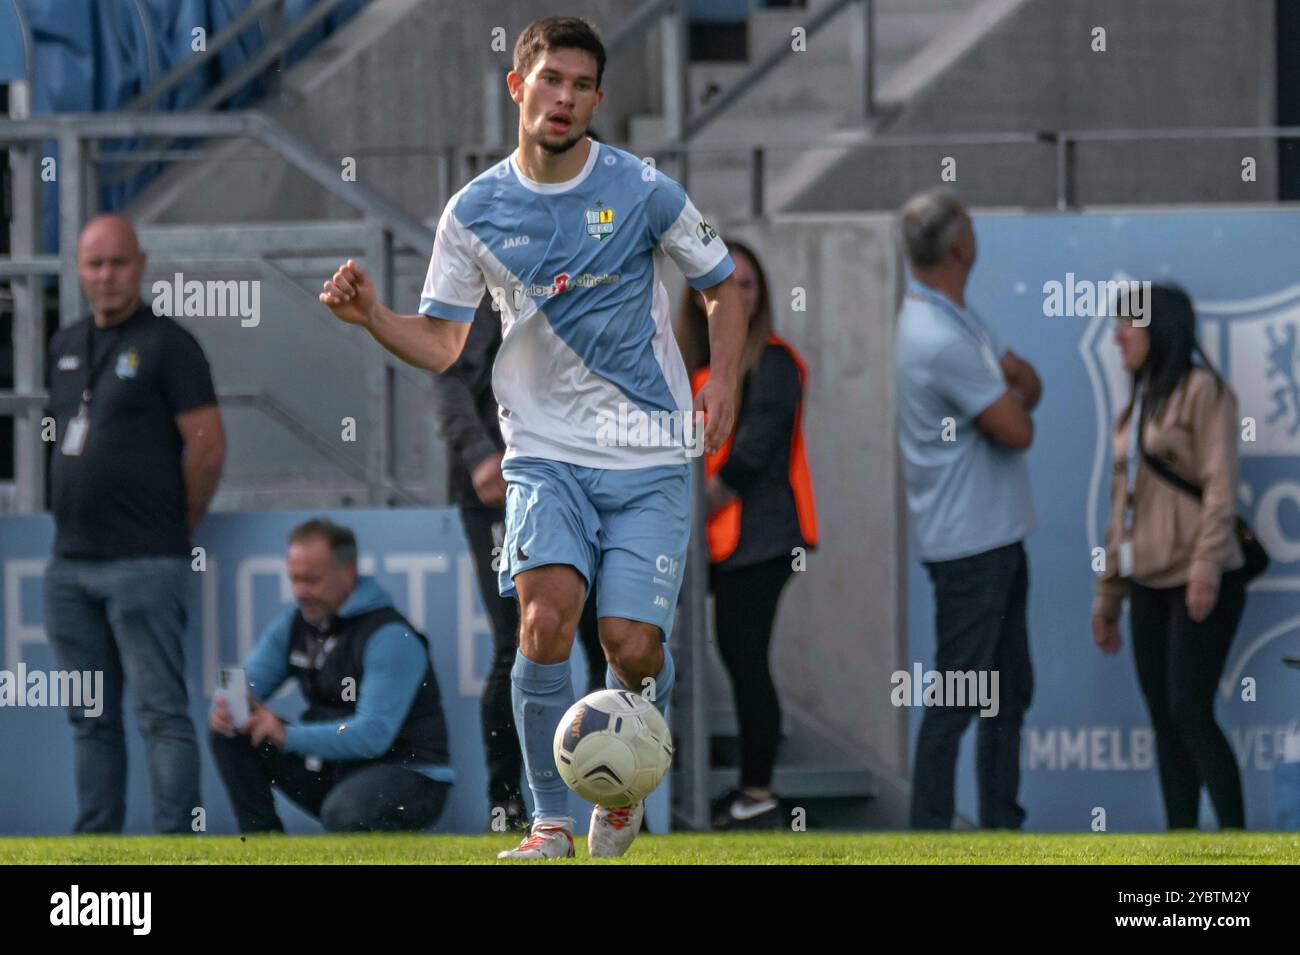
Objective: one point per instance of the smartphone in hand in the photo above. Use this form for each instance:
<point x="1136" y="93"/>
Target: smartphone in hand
<point x="233" y="683"/>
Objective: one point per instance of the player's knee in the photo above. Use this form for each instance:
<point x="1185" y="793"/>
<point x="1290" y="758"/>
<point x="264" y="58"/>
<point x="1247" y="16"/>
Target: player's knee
<point x="632" y="648"/>
<point x="541" y="623"/>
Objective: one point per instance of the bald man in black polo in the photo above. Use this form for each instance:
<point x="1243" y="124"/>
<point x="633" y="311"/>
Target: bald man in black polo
<point x="138" y="455"/>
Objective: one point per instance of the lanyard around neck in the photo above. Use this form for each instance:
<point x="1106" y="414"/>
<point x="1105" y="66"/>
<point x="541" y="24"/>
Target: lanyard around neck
<point x="93" y="367"/>
<point x="1134" y="458"/>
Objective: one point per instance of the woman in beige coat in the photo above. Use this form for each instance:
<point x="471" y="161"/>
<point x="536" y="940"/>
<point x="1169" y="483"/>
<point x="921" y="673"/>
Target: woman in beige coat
<point x="1175" y="557"/>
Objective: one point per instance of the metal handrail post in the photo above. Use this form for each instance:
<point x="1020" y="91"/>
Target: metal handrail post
<point x="71" y="218"/>
<point x="862" y="40"/>
<point x="674" y="67"/>
<point x="690" y="709"/>
<point x="29" y="310"/>
<point x="1064" y="172"/>
<point x="380" y="381"/>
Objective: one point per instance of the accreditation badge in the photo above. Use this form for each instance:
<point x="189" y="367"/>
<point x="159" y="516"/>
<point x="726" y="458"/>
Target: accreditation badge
<point x="74" y="439"/>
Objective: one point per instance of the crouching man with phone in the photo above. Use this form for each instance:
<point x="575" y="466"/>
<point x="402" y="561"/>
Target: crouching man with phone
<point x="371" y="750"/>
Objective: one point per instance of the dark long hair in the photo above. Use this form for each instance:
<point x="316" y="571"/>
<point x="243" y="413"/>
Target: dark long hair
<point x="693" y="322"/>
<point x="1173" y="351"/>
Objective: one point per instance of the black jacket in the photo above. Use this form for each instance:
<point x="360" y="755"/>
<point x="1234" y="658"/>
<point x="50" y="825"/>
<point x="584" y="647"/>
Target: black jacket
<point x="758" y="467"/>
<point x="464" y="407"/>
<point x="326" y="662"/>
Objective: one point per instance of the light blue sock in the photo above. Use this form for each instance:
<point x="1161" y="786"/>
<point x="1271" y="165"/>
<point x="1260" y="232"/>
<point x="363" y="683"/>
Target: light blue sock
<point x="663" y="683"/>
<point x="539" y="695"/>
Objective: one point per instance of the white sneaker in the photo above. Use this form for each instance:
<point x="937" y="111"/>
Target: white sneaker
<point x="548" y="840"/>
<point x="612" y="830"/>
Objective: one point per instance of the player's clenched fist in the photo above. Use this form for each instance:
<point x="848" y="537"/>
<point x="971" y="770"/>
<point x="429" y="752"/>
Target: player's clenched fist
<point x="350" y="294"/>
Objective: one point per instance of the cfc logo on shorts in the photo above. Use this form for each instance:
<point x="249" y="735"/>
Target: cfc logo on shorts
<point x="667" y="565"/>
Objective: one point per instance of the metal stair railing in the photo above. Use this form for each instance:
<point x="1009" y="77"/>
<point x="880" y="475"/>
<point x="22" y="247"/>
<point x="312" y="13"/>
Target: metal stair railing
<point x="131" y="163"/>
<point x="72" y="130"/>
<point x="384" y="222"/>
<point x="20" y="404"/>
<point x="775" y="55"/>
<point x="183" y="70"/>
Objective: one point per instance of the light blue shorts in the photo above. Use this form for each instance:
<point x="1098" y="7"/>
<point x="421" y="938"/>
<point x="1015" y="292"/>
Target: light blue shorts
<point x="625" y="530"/>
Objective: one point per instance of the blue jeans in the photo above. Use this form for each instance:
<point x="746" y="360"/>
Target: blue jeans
<point x="127" y="619"/>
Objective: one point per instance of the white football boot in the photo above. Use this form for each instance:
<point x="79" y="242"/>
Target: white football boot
<point x="612" y="830"/>
<point x="550" y="839"/>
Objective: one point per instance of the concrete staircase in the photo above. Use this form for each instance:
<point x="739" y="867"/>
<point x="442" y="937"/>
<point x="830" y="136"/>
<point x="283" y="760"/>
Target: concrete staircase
<point x="837" y="785"/>
<point x="1023" y="66"/>
<point x="805" y="99"/>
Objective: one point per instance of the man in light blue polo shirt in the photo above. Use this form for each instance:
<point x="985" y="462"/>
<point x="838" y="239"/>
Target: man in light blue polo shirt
<point x="963" y="407"/>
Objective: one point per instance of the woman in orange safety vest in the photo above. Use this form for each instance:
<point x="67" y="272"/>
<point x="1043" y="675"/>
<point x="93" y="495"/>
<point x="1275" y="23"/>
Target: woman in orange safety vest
<point x="761" y="518"/>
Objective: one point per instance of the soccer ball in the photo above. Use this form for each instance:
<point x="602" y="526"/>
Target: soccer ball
<point x="612" y="747"/>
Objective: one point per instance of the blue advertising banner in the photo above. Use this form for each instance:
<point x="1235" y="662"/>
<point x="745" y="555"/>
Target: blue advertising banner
<point x="1087" y="742"/>
<point x="418" y="555"/>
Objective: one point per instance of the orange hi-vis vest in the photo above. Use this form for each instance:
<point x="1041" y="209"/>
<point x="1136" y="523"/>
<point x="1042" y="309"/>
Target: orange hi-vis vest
<point x="724" y="524"/>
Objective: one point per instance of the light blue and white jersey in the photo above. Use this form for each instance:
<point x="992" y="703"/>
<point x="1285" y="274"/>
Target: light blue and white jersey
<point x="574" y="269"/>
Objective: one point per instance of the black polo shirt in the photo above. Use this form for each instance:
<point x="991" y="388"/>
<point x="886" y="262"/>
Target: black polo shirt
<point x="124" y="495"/>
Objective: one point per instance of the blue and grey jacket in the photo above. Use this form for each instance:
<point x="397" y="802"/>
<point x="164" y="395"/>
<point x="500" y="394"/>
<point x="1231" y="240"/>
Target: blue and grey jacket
<point x="366" y="676"/>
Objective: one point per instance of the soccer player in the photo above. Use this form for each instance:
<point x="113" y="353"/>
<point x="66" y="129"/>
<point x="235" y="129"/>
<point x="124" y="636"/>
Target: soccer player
<point x="567" y="235"/>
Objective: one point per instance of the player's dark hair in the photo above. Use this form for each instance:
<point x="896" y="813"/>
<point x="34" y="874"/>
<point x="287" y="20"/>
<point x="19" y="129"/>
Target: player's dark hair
<point x="693" y="321"/>
<point x="342" y="542"/>
<point x="558" y="33"/>
<point x="1173" y="350"/>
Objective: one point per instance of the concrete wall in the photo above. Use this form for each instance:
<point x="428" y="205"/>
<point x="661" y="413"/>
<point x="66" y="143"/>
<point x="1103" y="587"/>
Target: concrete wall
<point x="841" y="631"/>
<point x="1168" y="63"/>
<point x="397" y="84"/>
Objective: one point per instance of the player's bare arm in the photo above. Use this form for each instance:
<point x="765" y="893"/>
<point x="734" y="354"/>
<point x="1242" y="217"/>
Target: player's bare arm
<point x="419" y="340"/>
<point x="727" y="329"/>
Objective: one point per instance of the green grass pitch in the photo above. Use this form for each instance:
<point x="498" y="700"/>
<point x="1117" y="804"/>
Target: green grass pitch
<point x="807" y="848"/>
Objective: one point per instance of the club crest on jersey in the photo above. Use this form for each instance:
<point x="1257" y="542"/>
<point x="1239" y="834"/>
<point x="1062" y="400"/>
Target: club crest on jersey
<point x="600" y="223"/>
<point x="127" y="363"/>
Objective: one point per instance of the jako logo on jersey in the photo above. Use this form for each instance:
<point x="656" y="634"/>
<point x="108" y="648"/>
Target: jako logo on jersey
<point x="515" y="241"/>
<point x="705" y="233"/>
<point x="600" y="223"/>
